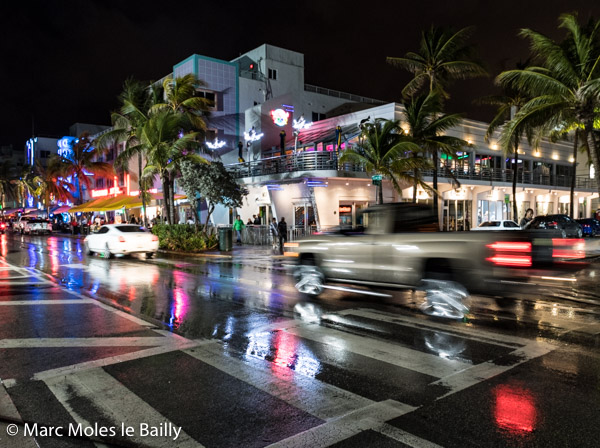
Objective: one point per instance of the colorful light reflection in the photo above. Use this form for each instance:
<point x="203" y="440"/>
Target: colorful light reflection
<point x="515" y="409"/>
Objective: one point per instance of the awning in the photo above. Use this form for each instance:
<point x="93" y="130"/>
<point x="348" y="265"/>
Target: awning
<point x="61" y="209"/>
<point x="87" y="206"/>
<point x="107" y="204"/>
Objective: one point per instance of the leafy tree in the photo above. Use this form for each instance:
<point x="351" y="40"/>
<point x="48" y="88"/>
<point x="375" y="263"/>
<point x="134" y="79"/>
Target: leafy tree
<point x="564" y="88"/>
<point x="443" y="56"/>
<point x="426" y="126"/>
<point x="215" y="185"/>
<point x="383" y="149"/>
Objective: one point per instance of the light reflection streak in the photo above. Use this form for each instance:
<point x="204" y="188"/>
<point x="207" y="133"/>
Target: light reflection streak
<point x="514" y="409"/>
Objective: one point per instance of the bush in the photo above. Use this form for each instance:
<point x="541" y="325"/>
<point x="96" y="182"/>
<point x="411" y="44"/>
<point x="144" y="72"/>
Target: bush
<point x="183" y="238"/>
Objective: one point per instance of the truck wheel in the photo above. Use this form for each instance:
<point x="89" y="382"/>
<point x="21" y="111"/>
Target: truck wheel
<point x="309" y="279"/>
<point x="444" y="298"/>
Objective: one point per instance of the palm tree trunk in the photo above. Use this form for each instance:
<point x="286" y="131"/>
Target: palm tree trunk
<point x="380" y="192"/>
<point x="573" y="177"/>
<point x="166" y="197"/>
<point x="81" y="191"/>
<point x="589" y="128"/>
<point x="414" y="198"/>
<point x="435" y="183"/>
<point x="515" y="178"/>
<point x="142" y="190"/>
<point x="172" y="197"/>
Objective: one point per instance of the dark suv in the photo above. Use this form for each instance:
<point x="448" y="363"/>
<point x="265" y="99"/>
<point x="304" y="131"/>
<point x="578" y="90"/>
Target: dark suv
<point x="590" y="226"/>
<point x="567" y="227"/>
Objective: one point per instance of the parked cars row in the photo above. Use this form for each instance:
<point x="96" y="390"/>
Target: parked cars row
<point x="31" y="225"/>
<point x="568" y="227"/>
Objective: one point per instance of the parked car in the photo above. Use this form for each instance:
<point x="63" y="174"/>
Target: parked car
<point x="112" y="239"/>
<point x="36" y="225"/>
<point x="498" y="225"/>
<point x="590" y="226"/>
<point x="567" y="227"/>
<point x="19" y="224"/>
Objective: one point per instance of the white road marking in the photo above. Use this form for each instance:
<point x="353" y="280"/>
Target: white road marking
<point x="315" y="397"/>
<point x="404" y="437"/>
<point x="48" y="302"/>
<point x="85" y="342"/>
<point x="340" y="429"/>
<point x="383" y="351"/>
<point x="117" y="404"/>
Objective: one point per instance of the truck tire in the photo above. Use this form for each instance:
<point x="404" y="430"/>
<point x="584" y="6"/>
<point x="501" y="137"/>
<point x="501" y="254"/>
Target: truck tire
<point x="309" y="278"/>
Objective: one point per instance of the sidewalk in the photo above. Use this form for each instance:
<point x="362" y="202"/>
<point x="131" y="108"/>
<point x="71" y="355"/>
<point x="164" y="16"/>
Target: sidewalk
<point x="244" y="251"/>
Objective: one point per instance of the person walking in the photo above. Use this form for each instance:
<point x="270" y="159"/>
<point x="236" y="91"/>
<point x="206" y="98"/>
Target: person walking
<point x="274" y="233"/>
<point x="527" y="218"/>
<point x="282" y="232"/>
<point x="238" y="225"/>
<point x="257" y="220"/>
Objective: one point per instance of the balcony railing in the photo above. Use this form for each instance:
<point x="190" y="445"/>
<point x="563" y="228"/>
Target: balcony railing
<point x="328" y="161"/>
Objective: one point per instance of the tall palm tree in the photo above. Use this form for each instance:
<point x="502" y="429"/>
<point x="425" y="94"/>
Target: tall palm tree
<point x="564" y="88"/>
<point x="426" y="126"/>
<point x="81" y="163"/>
<point x="25" y="185"/>
<point x="508" y="105"/>
<point x="165" y="147"/>
<point x="51" y="187"/>
<point x="443" y="56"/>
<point x="384" y="150"/>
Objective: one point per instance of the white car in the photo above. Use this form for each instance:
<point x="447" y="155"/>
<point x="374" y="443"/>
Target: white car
<point x="32" y="226"/>
<point x="112" y="239"/>
<point x="498" y="225"/>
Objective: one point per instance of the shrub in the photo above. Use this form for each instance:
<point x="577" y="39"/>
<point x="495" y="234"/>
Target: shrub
<point x="183" y="238"/>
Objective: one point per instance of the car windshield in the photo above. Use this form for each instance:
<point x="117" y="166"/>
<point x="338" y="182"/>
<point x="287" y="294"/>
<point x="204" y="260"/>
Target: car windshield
<point x="490" y="224"/>
<point x="130" y="229"/>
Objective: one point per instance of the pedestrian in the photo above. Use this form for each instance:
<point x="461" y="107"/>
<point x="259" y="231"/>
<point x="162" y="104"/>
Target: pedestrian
<point x="238" y="225"/>
<point x="274" y="233"/>
<point x="282" y="232"/>
<point x="527" y="218"/>
<point x="250" y="222"/>
<point x="257" y="221"/>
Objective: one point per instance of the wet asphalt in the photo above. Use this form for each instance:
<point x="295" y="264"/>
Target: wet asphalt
<point x="272" y="367"/>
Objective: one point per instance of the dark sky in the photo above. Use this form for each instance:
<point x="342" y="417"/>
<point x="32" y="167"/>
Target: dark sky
<point x="65" y="61"/>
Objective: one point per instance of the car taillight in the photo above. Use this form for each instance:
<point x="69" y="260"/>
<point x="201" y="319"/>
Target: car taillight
<point x="568" y="248"/>
<point x="121" y="239"/>
<point x="154" y="238"/>
<point x="552" y="224"/>
<point x="510" y="253"/>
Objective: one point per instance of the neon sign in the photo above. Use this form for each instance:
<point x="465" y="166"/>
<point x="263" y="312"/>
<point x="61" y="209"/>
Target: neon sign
<point x="280" y="117"/>
<point x="252" y="136"/>
<point x="65" y="147"/>
<point x="217" y="144"/>
<point x="301" y="124"/>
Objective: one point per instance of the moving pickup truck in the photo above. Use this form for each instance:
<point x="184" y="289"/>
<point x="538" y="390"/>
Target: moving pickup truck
<point x="399" y="247"/>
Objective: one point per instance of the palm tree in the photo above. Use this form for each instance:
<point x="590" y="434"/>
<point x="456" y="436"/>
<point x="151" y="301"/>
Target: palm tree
<point x="165" y="147"/>
<point x="443" y="56"/>
<point x="383" y="150"/>
<point x="51" y="187"/>
<point x="565" y="87"/>
<point x="425" y="128"/>
<point x="136" y="101"/>
<point x="24" y="186"/>
<point x="81" y="164"/>
<point x="508" y="104"/>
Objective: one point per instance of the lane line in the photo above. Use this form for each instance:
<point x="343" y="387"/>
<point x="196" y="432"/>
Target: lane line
<point x="308" y="394"/>
<point x="117" y="404"/>
<point x="342" y="428"/>
<point x="387" y="352"/>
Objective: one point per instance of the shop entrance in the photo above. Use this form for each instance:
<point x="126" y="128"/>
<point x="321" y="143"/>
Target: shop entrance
<point x="350" y="213"/>
<point x="457" y="215"/>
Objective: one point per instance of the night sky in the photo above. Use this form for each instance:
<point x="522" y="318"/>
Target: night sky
<point x="65" y="61"/>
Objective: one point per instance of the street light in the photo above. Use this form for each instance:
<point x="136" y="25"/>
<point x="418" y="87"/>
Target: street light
<point x="251" y="136"/>
<point x="217" y="144"/>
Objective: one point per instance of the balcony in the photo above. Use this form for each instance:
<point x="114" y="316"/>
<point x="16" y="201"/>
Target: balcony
<point x="314" y="161"/>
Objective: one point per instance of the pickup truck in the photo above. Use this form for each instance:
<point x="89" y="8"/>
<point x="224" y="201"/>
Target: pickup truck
<point x="400" y="247"/>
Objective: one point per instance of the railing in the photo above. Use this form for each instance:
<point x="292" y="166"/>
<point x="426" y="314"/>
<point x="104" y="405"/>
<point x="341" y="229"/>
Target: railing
<point x="328" y="160"/>
<point x="343" y="95"/>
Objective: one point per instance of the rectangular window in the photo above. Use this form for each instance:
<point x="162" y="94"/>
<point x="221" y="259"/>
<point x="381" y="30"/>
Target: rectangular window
<point x="210" y="96"/>
<point x="44" y="154"/>
<point x="99" y="183"/>
<point x="110" y="183"/>
<point x="316" y="116"/>
<point x="273" y="74"/>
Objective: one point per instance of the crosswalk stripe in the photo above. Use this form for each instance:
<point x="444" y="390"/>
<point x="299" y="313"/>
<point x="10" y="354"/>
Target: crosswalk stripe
<point x="47" y="302"/>
<point x="116" y="404"/>
<point x="85" y="342"/>
<point x="340" y="429"/>
<point x="310" y="395"/>
<point x="404" y="437"/>
<point x="466" y="331"/>
<point x="383" y="351"/>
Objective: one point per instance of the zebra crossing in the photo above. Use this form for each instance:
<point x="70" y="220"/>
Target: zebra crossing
<point x="291" y="383"/>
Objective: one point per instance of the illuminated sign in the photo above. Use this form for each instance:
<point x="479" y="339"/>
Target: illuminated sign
<point x="301" y="124"/>
<point x="105" y="192"/>
<point x="345" y="209"/>
<point x="217" y="144"/>
<point x="252" y="136"/>
<point x="65" y="147"/>
<point x="280" y="117"/>
<point x="137" y="192"/>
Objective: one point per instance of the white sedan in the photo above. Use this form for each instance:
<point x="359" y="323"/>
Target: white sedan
<point x="113" y="239"/>
<point x="498" y="225"/>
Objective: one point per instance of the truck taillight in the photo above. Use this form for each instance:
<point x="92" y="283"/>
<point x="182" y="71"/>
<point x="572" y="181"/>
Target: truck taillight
<point x="121" y="239"/>
<point x="568" y="248"/>
<point x="510" y="253"/>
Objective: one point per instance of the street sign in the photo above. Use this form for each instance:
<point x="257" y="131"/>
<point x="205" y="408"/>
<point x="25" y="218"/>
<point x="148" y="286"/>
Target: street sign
<point x="377" y="179"/>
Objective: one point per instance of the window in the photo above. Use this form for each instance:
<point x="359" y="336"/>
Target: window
<point x="210" y="96"/>
<point x="316" y="116"/>
<point x="273" y="74"/>
<point x="110" y="183"/>
<point x="44" y="154"/>
<point x="99" y="183"/>
<point x="103" y="230"/>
